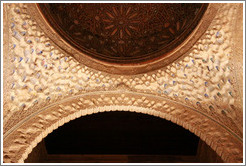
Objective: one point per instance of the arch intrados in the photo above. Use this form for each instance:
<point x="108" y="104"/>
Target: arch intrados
<point x="218" y="139"/>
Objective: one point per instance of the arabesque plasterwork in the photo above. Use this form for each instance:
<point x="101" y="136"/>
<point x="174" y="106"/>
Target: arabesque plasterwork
<point x="44" y="86"/>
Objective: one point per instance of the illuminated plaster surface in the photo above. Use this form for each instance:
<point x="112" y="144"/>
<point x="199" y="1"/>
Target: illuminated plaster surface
<point x="41" y="74"/>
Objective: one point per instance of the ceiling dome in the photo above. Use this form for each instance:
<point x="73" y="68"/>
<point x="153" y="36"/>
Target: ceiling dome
<point x="123" y="33"/>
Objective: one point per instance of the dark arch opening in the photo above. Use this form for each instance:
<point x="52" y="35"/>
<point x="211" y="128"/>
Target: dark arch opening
<point x="122" y="136"/>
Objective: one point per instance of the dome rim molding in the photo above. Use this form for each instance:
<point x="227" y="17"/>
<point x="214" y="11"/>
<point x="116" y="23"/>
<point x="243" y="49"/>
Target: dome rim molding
<point x="124" y="69"/>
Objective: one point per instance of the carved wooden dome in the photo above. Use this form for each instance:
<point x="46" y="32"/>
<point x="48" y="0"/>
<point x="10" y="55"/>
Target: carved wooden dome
<point x="123" y="33"/>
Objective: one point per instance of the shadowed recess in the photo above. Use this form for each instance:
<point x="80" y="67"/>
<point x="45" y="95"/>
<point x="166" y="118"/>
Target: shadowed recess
<point x="121" y="133"/>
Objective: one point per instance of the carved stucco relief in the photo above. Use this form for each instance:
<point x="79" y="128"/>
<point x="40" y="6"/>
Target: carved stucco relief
<point x="45" y="86"/>
<point x="26" y="135"/>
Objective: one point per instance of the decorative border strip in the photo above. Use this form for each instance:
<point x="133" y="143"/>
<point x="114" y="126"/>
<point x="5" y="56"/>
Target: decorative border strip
<point x="19" y="143"/>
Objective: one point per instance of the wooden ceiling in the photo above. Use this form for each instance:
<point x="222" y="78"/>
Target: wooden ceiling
<point x="123" y="33"/>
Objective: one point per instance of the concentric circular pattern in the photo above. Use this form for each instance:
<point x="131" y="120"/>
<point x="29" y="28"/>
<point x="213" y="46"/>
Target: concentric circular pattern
<point x="123" y="33"/>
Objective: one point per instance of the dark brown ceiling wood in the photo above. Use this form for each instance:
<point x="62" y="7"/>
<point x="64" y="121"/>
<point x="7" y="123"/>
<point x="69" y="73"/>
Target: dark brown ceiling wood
<point x="124" y="33"/>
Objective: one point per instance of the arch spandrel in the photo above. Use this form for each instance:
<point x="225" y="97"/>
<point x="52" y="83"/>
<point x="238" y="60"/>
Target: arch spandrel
<point x="209" y="106"/>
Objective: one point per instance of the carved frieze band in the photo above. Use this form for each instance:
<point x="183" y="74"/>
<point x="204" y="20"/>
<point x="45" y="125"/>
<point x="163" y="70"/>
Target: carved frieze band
<point x="20" y="142"/>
